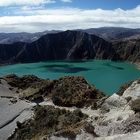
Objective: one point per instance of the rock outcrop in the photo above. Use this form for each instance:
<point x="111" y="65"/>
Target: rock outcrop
<point x="112" y="117"/>
<point x="72" y="109"/>
<point x="75" y="91"/>
<point x="21" y="82"/>
<point x="66" y="91"/>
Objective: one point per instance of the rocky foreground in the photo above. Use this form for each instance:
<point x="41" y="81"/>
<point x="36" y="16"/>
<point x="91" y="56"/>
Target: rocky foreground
<point x="67" y="109"/>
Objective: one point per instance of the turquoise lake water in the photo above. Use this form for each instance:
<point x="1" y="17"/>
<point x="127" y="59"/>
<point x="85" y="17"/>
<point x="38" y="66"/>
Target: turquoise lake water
<point x="106" y="75"/>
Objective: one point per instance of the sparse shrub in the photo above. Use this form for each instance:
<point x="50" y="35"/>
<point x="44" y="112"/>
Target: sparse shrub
<point x="135" y="105"/>
<point x="78" y="112"/>
<point x="19" y="125"/>
<point x="74" y="91"/>
<point x="48" y="120"/>
<point x="90" y="129"/>
<point x="124" y="87"/>
<point x="128" y="98"/>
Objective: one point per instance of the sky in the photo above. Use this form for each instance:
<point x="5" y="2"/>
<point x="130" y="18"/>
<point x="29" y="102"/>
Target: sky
<point x="42" y="15"/>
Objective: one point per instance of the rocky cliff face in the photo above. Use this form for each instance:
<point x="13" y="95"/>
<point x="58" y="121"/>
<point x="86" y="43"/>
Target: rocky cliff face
<point x="60" y="46"/>
<point x="128" y="49"/>
<point x="70" y="45"/>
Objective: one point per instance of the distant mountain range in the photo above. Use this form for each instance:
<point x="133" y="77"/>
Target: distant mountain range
<point x="9" y="38"/>
<point x="107" y="33"/>
<point x="102" y="43"/>
<point x="114" y="33"/>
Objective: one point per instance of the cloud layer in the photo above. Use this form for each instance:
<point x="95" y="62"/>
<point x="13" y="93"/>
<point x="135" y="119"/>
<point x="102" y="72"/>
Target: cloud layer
<point x="24" y="2"/>
<point x="35" y="20"/>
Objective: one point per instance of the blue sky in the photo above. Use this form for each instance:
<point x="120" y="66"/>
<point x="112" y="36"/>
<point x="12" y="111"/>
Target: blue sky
<point x="82" y="4"/>
<point x="103" y="4"/>
<point x="40" y="15"/>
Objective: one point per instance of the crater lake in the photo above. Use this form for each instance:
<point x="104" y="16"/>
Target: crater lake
<point x="108" y="76"/>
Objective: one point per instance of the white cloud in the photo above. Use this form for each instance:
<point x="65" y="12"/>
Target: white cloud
<point x="66" y="0"/>
<point x="69" y="18"/>
<point x="24" y="2"/>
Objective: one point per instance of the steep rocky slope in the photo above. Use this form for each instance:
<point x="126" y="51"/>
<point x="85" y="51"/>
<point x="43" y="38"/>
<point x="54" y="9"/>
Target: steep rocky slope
<point x="60" y="46"/>
<point x="128" y="49"/>
<point x="70" y="45"/>
<point x="67" y="91"/>
<point x="104" y="118"/>
<point x="24" y="93"/>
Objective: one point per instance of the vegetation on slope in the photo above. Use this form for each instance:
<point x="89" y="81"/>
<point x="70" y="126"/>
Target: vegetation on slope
<point x="50" y="120"/>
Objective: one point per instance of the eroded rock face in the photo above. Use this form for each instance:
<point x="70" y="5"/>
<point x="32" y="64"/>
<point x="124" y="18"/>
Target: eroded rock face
<point x="70" y="45"/>
<point x="120" y="114"/>
<point x="133" y="91"/>
<point x="128" y="49"/>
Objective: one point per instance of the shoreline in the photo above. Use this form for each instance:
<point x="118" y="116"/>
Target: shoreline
<point x="75" y="69"/>
<point x="137" y="64"/>
<point x="64" y="60"/>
